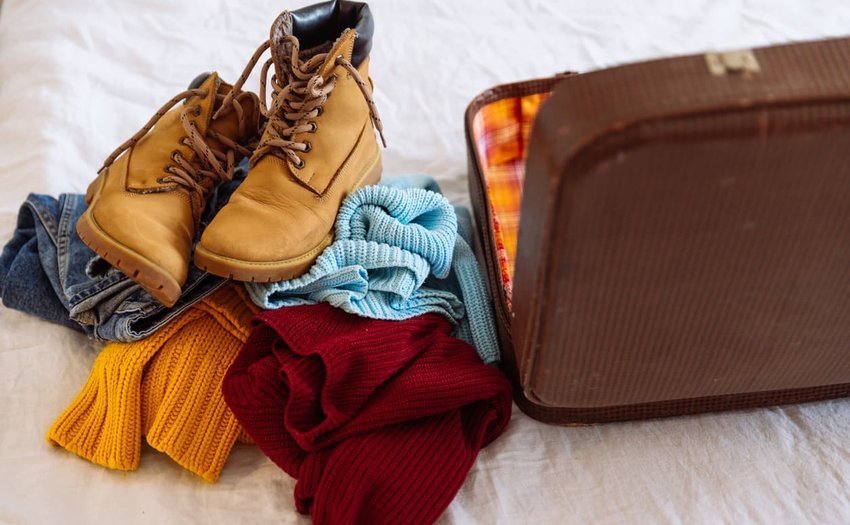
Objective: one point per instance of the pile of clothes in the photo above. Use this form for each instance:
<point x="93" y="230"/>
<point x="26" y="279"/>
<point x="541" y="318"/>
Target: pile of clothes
<point x="252" y="283"/>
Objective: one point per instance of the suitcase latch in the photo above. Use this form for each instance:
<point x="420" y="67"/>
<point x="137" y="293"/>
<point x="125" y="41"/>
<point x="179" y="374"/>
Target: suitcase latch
<point x="732" y="62"/>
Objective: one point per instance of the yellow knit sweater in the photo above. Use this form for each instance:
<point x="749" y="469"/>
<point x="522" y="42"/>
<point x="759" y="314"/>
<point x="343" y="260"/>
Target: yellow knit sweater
<point x="167" y="388"/>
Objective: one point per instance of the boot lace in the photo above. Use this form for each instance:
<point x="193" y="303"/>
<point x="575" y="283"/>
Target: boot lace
<point x="210" y="166"/>
<point x="299" y="100"/>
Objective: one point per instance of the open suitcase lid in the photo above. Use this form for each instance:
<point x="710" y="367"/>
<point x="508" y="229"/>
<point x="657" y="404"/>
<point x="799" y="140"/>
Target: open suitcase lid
<point x="685" y="236"/>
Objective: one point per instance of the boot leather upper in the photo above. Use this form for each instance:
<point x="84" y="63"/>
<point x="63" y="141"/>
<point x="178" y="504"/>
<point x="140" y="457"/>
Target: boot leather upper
<point x="158" y="219"/>
<point x="281" y="211"/>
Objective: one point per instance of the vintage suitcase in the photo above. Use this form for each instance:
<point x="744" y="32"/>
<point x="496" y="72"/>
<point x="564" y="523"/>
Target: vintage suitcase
<point x="684" y="242"/>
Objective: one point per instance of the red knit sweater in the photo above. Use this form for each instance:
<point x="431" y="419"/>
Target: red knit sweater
<point x="380" y="421"/>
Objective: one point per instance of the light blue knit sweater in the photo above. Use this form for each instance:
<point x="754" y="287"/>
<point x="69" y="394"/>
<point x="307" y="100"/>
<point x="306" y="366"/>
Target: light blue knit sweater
<point x="397" y="254"/>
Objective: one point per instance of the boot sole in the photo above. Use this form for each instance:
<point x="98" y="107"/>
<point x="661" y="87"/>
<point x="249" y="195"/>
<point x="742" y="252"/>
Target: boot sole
<point x="137" y="267"/>
<point x="272" y="271"/>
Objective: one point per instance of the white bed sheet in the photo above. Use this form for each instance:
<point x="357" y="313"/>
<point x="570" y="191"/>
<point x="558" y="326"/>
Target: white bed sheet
<point x="77" y="77"/>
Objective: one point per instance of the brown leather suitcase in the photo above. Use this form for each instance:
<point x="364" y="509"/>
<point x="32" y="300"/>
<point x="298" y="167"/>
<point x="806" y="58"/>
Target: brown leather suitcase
<point x="684" y="243"/>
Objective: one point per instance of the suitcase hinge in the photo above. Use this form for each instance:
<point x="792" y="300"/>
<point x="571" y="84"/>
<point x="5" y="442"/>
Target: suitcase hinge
<point x="732" y="62"/>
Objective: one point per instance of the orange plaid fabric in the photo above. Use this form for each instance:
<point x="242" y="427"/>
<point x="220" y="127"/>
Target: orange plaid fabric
<point x="500" y="130"/>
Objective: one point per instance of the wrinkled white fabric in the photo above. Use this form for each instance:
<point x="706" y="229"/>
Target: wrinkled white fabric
<point x="77" y="77"/>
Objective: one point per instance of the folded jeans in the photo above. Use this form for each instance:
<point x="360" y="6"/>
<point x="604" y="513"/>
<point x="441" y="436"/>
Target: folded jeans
<point x="46" y="270"/>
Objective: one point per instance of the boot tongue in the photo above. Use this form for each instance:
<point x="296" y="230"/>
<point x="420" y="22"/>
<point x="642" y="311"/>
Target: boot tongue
<point x="227" y="123"/>
<point x="318" y="28"/>
<point x="281" y="49"/>
<point x="145" y="164"/>
<point x="151" y="151"/>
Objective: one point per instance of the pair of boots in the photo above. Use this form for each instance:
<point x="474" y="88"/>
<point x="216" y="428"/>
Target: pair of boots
<point x="311" y="147"/>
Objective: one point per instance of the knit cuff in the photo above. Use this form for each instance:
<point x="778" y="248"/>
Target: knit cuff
<point x="186" y="416"/>
<point x="166" y="387"/>
<point x="103" y="423"/>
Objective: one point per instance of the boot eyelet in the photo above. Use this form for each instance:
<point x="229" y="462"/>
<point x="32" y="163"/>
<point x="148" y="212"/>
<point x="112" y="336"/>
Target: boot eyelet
<point x="167" y="169"/>
<point x="174" y="155"/>
<point x="300" y="164"/>
<point x="313" y="127"/>
<point x="197" y="111"/>
<point x="319" y="111"/>
<point x="308" y="145"/>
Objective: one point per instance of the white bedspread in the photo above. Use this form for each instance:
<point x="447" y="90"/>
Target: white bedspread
<point x="77" y="77"/>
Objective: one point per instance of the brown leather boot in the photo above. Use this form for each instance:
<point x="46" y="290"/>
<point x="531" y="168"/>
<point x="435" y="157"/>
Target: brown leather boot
<point x="145" y="204"/>
<point x="318" y="147"/>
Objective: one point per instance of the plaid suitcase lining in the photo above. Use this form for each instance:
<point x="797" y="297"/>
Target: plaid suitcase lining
<point x="501" y="130"/>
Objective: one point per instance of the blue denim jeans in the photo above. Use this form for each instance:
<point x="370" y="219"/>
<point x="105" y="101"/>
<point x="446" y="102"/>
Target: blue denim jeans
<point x="47" y="271"/>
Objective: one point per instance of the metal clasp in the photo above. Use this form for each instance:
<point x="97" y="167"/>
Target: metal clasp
<point x="732" y="62"/>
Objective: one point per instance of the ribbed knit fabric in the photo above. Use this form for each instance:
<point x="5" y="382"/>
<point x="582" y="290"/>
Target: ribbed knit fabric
<point x="465" y="280"/>
<point x="397" y="255"/>
<point x="167" y="388"/>
<point x="380" y="421"/>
